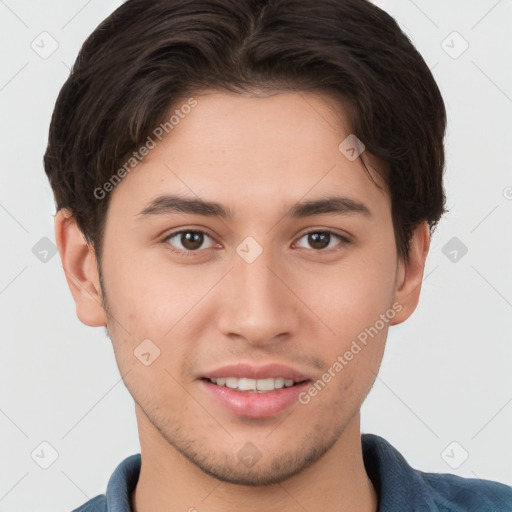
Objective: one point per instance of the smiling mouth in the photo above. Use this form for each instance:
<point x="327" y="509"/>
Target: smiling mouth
<point x="253" y="385"/>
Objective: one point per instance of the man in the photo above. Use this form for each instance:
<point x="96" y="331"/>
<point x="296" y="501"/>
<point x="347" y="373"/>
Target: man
<point x="246" y="192"/>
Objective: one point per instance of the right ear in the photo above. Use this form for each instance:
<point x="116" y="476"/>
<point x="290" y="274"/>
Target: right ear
<point x="80" y="266"/>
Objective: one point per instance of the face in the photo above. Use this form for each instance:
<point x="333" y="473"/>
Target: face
<point x="263" y="277"/>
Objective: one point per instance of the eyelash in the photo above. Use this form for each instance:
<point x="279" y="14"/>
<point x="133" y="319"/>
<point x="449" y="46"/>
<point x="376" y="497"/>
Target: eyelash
<point x="189" y="253"/>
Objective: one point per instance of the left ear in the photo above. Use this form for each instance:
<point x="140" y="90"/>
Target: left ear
<point x="409" y="275"/>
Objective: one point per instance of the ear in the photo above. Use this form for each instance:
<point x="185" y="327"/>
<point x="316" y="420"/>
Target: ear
<point x="80" y="266"/>
<point x="409" y="274"/>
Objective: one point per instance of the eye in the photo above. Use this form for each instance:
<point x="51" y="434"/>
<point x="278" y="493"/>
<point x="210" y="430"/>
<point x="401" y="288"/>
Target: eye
<point x="187" y="241"/>
<point x="321" y="240"/>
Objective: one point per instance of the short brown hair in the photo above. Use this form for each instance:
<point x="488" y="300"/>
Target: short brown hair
<point x="149" y="53"/>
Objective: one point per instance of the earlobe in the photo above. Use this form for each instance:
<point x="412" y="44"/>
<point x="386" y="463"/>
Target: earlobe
<point x="80" y="267"/>
<point x="410" y="274"/>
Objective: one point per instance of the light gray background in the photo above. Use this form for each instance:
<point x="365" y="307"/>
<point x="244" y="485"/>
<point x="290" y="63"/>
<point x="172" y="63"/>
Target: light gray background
<point x="446" y="375"/>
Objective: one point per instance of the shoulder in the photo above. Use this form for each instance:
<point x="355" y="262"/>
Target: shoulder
<point x="454" y="493"/>
<point x="401" y="487"/>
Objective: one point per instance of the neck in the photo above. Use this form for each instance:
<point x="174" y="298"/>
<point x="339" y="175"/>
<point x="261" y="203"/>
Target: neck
<point x="168" y="481"/>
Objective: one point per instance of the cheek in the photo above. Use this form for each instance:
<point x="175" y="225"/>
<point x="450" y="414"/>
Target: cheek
<point x="351" y="297"/>
<point x="150" y="295"/>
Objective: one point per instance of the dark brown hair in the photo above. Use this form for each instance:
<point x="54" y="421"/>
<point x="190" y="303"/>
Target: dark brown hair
<point x="149" y="54"/>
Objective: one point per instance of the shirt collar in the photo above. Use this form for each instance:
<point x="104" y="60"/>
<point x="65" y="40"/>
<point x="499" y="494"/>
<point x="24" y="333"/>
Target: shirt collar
<point x="122" y="483"/>
<point x="398" y="485"/>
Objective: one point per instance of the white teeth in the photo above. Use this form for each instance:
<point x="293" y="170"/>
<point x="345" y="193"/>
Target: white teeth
<point x="254" y="385"/>
<point x="232" y="382"/>
<point x="247" y="384"/>
<point x="265" y="384"/>
<point x="279" y="382"/>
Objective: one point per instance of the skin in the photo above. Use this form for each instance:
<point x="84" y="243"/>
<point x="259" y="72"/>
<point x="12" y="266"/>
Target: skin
<point x="295" y="304"/>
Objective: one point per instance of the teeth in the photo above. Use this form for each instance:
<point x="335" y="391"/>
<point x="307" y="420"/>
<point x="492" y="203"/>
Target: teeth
<point x="254" y="385"/>
<point x="279" y="382"/>
<point x="266" y="384"/>
<point x="231" y="382"/>
<point x="247" y="384"/>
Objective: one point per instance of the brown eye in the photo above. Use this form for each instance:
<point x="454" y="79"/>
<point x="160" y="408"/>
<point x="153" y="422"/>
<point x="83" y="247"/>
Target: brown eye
<point x="321" y="240"/>
<point x="187" y="241"/>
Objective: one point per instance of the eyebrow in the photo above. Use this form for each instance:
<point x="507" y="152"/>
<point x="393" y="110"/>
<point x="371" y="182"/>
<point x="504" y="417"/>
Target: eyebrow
<point x="169" y="204"/>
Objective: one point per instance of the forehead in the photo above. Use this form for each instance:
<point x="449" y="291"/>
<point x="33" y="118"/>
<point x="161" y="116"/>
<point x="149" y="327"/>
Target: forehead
<point x="243" y="150"/>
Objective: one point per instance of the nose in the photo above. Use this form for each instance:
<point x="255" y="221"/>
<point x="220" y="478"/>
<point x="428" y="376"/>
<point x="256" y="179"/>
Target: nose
<point x="259" y="304"/>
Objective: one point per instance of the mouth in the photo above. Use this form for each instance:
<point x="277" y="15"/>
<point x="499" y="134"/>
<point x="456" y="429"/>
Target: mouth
<point x="251" y="391"/>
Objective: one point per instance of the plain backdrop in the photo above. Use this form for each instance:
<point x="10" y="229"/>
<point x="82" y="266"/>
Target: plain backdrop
<point x="443" y="397"/>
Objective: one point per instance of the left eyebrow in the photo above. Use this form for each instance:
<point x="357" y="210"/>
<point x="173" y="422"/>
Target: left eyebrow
<point x="337" y="205"/>
<point x="169" y="204"/>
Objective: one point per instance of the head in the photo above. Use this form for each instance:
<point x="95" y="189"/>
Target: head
<point x="302" y="145"/>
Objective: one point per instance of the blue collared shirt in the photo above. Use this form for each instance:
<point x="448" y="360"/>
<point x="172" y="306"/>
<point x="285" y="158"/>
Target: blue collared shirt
<point x="400" y="488"/>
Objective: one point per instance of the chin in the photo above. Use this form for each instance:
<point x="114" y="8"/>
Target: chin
<point x="260" y="470"/>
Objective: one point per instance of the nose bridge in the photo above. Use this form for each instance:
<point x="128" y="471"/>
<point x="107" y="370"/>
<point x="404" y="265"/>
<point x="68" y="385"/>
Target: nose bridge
<point x="258" y="306"/>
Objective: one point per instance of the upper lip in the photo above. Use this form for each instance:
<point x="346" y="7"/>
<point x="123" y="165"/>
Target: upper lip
<point x="249" y="371"/>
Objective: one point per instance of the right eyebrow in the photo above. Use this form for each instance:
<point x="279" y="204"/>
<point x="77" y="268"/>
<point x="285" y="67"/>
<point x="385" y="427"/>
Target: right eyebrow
<point x="168" y="204"/>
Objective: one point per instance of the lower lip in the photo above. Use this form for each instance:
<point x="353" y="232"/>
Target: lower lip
<point x="252" y="404"/>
